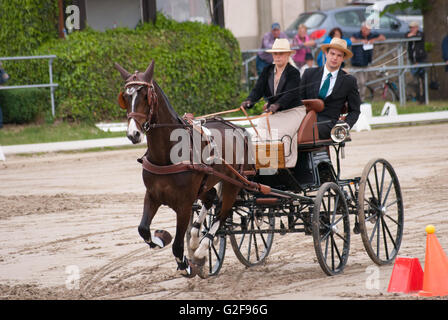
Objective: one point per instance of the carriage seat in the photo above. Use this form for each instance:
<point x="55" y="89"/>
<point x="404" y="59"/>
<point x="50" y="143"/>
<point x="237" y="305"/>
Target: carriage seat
<point x="308" y="133"/>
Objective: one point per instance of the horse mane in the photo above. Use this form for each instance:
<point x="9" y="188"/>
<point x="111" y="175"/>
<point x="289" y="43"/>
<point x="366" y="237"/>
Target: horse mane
<point x="170" y="108"/>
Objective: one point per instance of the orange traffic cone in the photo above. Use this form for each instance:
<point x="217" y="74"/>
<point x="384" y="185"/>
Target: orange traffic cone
<point x="435" y="278"/>
<point x="407" y="276"/>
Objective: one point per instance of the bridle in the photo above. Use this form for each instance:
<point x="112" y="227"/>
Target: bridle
<point x="139" y="117"/>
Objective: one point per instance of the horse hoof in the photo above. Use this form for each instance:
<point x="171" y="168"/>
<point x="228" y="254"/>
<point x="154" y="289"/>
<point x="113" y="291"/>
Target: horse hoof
<point x="191" y="271"/>
<point x="164" y="236"/>
<point x="201" y="271"/>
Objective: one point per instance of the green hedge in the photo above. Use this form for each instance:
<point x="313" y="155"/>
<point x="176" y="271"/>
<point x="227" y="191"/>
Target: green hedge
<point x="23" y="105"/>
<point x="26" y="24"/>
<point x="197" y="65"/>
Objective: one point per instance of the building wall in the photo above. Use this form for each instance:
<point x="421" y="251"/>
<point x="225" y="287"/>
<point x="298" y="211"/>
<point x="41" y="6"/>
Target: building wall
<point x="106" y="14"/>
<point x="249" y="20"/>
<point x="241" y="18"/>
<point x="312" y="5"/>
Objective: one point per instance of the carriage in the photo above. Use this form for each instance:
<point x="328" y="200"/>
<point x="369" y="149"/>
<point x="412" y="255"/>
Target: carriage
<point x="313" y="199"/>
<point x="252" y="207"/>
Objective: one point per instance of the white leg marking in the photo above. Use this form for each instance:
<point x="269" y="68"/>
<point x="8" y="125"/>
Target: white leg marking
<point x="202" y="251"/>
<point x="194" y="233"/>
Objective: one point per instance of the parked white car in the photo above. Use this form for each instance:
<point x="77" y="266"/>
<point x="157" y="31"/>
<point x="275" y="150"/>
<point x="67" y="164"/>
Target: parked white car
<point x="407" y="15"/>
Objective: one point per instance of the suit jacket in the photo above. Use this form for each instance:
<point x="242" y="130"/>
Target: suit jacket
<point x="287" y="96"/>
<point x="345" y="90"/>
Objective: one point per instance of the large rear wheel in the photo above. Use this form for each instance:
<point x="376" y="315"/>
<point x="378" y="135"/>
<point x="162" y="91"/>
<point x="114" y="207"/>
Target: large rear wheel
<point x="380" y="211"/>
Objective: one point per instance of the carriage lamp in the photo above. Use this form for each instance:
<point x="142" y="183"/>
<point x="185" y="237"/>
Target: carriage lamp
<point x="340" y="131"/>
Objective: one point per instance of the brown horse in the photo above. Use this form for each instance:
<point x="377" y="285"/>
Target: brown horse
<point x="172" y="184"/>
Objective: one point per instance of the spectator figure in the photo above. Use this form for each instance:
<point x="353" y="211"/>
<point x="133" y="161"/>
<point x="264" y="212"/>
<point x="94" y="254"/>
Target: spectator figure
<point x="417" y="54"/>
<point x="362" y="54"/>
<point x="334" y="86"/>
<point x="3" y="78"/>
<point x="279" y="84"/>
<point x="309" y="63"/>
<point x="335" y="32"/>
<point x="264" y="58"/>
<point x="304" y="43"/>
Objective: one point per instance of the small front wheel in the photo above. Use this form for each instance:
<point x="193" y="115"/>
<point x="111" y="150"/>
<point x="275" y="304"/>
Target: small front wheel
<point x="331" y="228"/>
<point x="252" y="234"/>
<point x="217" y="250"/>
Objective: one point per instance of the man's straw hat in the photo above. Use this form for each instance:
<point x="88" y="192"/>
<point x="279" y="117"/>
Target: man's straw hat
<point x="280" y="45"/>
<point x="338" y="44"/>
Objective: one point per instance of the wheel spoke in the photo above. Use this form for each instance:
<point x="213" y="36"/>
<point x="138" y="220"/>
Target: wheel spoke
<point x="384" y="238"/>
<point x="382" y="184"/>
<point x="393" y="220"/>
<point x="373" y="231"/>
<point x="336" y="248"/>
<point x="336" y="202"/>
<point x="370" y="187"/>
<point x="250" y="245"/>
<point x="376" y="180"/>
<point x="262" y="237"/>
<point x="336" y="233"/>
<point x="387" y="193"/>
<point x="326" y="245"/>
<point x="241" y="241"/>
<point x="332" y="253"/>
<point x="378" y="234"/>
<point x="392" y="203"/>
<point x="390" y="235"/>
<point x="372" y="205"/>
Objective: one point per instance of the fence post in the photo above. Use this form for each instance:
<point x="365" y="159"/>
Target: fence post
<point x="401" y="77"/>
<point x="426" y="87"/>
<point x="50" y="70"/>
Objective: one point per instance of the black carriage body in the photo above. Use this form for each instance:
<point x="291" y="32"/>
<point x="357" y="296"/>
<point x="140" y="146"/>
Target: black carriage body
<point x="313" y="168"/>
<point x="312" y="199"/>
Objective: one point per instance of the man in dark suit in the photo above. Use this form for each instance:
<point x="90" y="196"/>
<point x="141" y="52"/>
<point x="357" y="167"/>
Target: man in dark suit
<point x="334" y="86"/>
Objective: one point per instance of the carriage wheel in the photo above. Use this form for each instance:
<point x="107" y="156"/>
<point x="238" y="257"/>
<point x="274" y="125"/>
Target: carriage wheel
<point x="217" y="250"/>
<point x="380" y="211"/>
<point x="251" y="249"/>
<point x="331" y="228"/>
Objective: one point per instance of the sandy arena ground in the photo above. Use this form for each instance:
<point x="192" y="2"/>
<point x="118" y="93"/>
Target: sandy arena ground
<point x="63" y="213"/>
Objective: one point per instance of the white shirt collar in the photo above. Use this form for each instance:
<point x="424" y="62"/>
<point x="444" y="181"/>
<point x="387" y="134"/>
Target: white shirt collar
<point x="334" y="74"/>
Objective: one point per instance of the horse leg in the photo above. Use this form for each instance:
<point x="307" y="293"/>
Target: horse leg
<point x="150" y="208"/>
<point x="207" y="202"/>
<point x="229" y="192"/>
<point x="184" y="266"/>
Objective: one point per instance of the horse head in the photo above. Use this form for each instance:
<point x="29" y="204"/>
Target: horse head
<point x="139" y="99"/>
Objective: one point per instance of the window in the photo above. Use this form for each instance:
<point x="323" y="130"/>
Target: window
<point x="387" y="22"/>
<point x="185" y="10"/>
<point x="348" y="19"/>
<point x="310" y="20"/>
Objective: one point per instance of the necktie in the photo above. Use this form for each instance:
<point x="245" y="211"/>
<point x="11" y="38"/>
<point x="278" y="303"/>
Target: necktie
<point x="324" y="90"/>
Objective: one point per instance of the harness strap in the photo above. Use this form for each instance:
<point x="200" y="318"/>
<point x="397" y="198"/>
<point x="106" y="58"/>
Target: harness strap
<point x="186" y="167"/>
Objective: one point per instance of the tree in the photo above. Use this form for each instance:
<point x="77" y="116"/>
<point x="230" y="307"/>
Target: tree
<point x="216" y="8"/>
<point x="435" y="25"/>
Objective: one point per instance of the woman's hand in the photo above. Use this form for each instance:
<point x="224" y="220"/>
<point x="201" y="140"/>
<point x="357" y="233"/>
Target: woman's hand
<point x="247" y="104"/>
<point x="273" y="108"/>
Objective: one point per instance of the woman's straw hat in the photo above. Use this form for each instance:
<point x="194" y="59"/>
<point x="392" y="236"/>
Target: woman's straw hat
<point x="339" y="44"/>
<point x="280" y="45"/>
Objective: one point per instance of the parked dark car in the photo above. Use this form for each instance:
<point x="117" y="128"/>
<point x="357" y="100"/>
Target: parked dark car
<point x="349" y="19"/>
